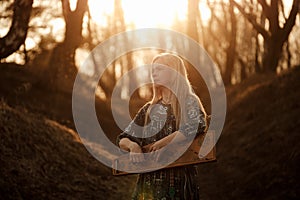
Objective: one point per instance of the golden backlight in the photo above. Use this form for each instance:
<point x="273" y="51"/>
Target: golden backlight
<point x="145" y="13"/>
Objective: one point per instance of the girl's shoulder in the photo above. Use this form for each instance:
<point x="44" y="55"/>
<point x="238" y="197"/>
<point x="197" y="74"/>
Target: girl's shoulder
<point x="192" y="99"/>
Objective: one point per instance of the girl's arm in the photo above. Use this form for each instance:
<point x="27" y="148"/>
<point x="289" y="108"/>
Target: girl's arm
<point x="132" y="129"/>
<point x="136" y="153"/>
<point x="194" y="125"/>
<point x="177" y="136"/>
<point x="128" y="145"/>
<point x="128" y="141"/>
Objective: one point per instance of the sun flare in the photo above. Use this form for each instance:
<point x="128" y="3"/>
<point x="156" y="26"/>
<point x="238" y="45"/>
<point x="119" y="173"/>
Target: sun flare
<point x="145" y="13"/>
<point x="141" y="13"/>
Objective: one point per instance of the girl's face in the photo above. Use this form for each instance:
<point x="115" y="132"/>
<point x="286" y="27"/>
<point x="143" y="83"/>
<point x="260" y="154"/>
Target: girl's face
<point x="163" y="74"/>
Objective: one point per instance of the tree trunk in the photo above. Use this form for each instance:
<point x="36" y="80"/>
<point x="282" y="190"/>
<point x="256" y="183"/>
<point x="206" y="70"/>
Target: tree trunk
<point x="289" y="55"/>
<point x="272" y="54"/>
<point x="230" y="52"/>
<point x="275" y="36"/>
<point x="17" y="33"/>
<point x="243" y="74"/>
<point x="278" y="36"/>
<point x="62" y="67"/>
<point x="257" y="66"/>
<point x="193" y="12"/>
<point x="74" y="20"/>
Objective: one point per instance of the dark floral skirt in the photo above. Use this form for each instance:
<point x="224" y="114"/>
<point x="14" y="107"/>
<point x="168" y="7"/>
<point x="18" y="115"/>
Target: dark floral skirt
<point x="175" y="183"/>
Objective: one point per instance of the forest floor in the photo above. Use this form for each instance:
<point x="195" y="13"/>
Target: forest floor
<point x="42" y="156"/>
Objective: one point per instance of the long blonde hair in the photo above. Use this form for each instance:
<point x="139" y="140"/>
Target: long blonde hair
<point x="183" y="90"/>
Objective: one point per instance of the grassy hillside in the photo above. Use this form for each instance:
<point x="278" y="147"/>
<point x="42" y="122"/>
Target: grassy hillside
<point x="41" y="159"/>
<point x="258" y="152"/>
<point x="42" y="156"/>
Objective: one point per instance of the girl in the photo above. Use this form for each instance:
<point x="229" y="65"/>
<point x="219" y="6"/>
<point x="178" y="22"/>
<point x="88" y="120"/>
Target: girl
<point x="167" y="117"/>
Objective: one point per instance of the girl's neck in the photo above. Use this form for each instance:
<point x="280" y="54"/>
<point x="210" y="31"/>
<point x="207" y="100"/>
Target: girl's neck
<point x="166" y="96"/>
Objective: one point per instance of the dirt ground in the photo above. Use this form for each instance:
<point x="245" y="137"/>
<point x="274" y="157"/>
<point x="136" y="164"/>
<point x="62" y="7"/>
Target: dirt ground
<point x="42" y="156"/>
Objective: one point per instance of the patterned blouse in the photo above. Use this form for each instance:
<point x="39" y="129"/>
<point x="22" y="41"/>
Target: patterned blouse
<point x="171" y="183"/>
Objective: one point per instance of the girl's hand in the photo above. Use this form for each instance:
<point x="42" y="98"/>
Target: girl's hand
<point x="136" y="153"/>
<point x="163" y="142"/>
<point x="158" y="145"/>
<point x="157" y="150"/>
<point x="155" y="146"/>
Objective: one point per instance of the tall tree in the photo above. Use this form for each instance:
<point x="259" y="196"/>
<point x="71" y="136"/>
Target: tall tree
<point x="231" y="49"/>
<point x="116" y="25"/>
<point x="273" y="33"/>
<point x="62" y="63"/>
<point x="222" y="32"/>
<point x="193" y="13"/>
<point x="193" y="29"/>
<point x="17" y="33"/>
<point x="73" y="19"/>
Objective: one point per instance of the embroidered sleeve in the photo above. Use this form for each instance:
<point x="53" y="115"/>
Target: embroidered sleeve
<point x="195" y="123"/>
<point x="132" y="128"/>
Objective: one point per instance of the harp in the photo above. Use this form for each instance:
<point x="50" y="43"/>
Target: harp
<point x="202" y="143"/>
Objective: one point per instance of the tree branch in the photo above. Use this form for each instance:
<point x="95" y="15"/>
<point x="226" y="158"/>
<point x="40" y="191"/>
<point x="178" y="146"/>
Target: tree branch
<point x="81" y="5"/>
<point x="274" y="21"/>
<point x="65" y="8"/>
<point x="282" y="9"/>
<point x="250" y="18"/>
<point x="290" y="22"/>
<point x="17" y="33"/>
<point x="266" y="8"/>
